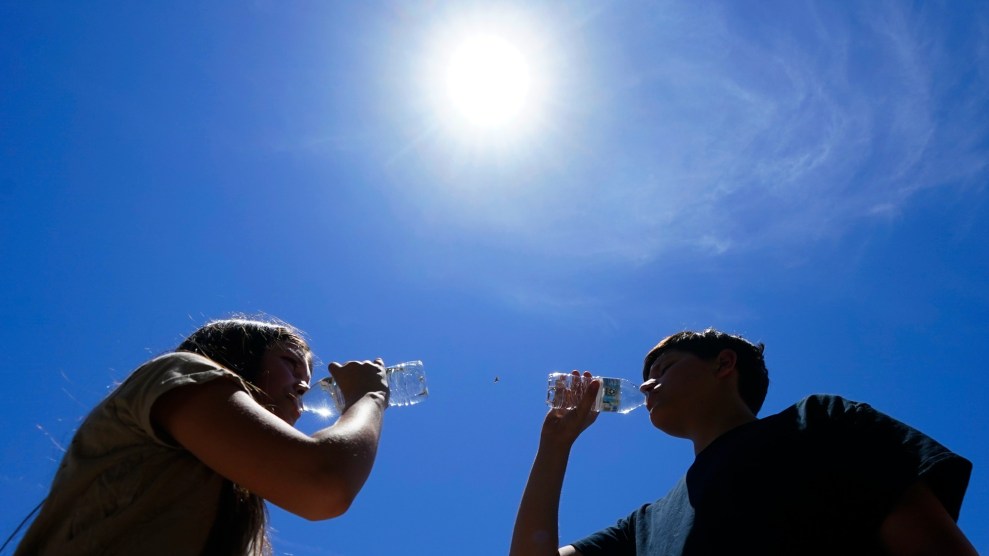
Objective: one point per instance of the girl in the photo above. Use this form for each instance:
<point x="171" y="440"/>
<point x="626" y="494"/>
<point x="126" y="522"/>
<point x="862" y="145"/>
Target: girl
<point x="179" y="458"/>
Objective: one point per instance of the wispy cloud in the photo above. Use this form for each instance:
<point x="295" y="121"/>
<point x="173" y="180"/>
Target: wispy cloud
<point x="807" y="131"/>
<point x="719" y="134"/>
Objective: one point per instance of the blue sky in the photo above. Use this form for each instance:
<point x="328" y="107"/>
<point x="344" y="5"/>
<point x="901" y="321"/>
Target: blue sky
<point x="811" y="175"/>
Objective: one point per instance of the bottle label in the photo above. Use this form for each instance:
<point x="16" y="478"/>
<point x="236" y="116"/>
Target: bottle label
<point x="611" y="394"/>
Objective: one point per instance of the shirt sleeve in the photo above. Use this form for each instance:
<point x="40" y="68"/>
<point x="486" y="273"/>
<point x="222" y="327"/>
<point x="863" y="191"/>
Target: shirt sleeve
<point x="892" y="455"/>
<point x="133" y="400"/>
<point x="618" y="539"/>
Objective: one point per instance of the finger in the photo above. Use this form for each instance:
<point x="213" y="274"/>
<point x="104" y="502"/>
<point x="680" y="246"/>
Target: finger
<point x="566" y="390"/>
<point x="335" y="369"/>
<point x="590" y="397"/>
<point x="573" y="389"/>
<point x="560" y="388"/>
<point x="585" y="381"/>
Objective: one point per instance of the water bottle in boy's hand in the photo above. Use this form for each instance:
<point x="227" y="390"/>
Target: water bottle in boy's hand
<point x="616" y="395"/>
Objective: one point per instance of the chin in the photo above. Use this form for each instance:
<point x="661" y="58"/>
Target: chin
<point x="661" y="422"/>
<point x="289" y="417"/>
<point x="656" y="423"/>
<point x="656" y="419"/>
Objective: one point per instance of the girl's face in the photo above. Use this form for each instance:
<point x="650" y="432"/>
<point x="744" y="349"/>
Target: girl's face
<point x="284" y="376"/>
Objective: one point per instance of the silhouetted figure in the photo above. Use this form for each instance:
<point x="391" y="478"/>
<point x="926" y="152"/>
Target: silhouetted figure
<point x="825" y="476"/>
<point x="180" y="457"/>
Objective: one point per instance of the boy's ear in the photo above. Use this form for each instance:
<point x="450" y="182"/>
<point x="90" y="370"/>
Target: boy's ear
<point x="726" y="361"/>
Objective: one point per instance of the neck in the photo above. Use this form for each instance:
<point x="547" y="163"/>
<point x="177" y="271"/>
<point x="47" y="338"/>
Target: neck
<point x="718" y="424"/>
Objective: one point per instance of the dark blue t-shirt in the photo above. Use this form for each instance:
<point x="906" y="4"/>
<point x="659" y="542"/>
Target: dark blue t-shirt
<point x="817" y="478"/>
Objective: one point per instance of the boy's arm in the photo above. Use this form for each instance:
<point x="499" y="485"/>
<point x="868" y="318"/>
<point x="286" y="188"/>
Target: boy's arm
<point x="920" y="526"/>
<point x="536" y="526"/>
<point x="537" y="523"/>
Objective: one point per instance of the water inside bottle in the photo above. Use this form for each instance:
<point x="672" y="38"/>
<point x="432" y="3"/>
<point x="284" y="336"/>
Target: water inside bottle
<point x="407" y="384"/>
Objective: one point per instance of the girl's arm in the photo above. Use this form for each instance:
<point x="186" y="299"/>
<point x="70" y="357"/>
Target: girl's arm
<point x="315" y="477"/>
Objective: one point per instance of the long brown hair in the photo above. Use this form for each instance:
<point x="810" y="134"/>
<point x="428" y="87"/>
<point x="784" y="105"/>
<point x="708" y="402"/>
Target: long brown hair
<point x="238" y="345"/>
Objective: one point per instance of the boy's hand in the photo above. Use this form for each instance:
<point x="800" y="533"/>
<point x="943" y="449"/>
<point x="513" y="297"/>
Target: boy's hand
<point x="563" y="426"/>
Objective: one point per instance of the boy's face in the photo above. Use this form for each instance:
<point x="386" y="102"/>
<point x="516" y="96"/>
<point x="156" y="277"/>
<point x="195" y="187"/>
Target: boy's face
<point x="680" y="389"/>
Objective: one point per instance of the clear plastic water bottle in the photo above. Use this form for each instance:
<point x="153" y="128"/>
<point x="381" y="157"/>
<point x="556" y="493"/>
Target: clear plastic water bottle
<point x="406" y="385"/>
<point x="616" y="395"/>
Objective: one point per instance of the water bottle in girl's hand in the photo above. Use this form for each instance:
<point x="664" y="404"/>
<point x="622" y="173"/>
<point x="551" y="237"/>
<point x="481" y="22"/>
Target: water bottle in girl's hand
<point x="406" y="385"/>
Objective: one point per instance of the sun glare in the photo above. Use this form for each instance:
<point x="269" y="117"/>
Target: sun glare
<point x="488" y="81"/>
<point x="487" y="78"/>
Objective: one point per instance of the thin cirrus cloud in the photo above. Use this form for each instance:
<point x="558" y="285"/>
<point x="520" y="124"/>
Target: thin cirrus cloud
<point x="803" y="138"/>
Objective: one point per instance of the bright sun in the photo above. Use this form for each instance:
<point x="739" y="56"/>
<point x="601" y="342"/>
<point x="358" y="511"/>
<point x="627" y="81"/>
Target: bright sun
<point x="488" y="81"/>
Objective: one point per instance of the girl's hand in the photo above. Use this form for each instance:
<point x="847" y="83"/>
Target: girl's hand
<point x="357" y="378"/>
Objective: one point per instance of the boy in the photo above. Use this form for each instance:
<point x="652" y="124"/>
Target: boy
<point x="825" y="476"/>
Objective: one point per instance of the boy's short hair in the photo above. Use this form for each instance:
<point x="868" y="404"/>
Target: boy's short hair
<point x="753" y="377"/>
